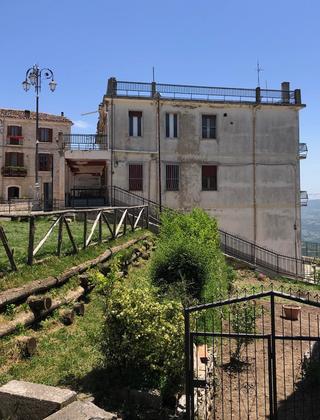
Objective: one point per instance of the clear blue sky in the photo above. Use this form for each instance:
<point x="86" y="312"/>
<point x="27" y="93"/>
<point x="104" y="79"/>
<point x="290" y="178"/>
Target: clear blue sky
<point x="203" y="42"/>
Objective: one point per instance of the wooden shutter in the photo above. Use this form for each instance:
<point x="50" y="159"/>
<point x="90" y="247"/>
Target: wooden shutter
<point x="20" y="159"/>
<point x="135" y="177"/>
<point x="209" y="177"/>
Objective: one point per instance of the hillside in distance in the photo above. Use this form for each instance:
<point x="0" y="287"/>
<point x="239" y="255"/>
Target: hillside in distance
<point x="310" y="221"/>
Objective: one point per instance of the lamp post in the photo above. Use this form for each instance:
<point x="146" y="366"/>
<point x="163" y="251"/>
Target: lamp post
<point x="34" y="75"/>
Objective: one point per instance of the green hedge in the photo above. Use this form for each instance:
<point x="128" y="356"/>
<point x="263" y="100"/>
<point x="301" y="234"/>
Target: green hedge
<point x="188" y="251"/>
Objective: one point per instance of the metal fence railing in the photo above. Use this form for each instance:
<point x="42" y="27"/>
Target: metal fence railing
<point x="234" y="245"/>
<point x="311" y="249"/>
<point x="143" y="89"/>
<point x="85" y="142"/>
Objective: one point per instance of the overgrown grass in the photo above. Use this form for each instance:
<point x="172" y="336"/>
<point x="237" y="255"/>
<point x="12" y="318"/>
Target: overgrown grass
<point x="56" y="265"/>
<point x="65" y="355"/>
<point x="17" y="233"/>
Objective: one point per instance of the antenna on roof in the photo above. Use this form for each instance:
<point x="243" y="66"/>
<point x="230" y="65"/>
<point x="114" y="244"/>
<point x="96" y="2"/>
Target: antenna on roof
<point x="259" y="70"/>
<point x="153" y="73"/>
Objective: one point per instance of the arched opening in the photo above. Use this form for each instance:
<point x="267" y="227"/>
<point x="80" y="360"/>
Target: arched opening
<point x="13" y="192"/>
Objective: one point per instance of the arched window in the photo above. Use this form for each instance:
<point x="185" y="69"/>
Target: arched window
<point x="13" y="192"/>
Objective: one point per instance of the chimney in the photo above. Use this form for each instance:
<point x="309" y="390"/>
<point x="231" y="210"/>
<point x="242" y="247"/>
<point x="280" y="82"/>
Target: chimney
<point x="285" y="92"/>
<point x="62" y="114"/>
<point x="27" y="113"/>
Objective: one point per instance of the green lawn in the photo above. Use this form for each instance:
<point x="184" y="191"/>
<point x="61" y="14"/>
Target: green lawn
<point x="56" y="265"/>
<point x="17" y="233"/>
<point x="64" y="355"/>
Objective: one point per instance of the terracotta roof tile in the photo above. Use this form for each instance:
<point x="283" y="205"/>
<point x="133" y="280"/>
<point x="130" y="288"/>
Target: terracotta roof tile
<point x="21" y="115"/>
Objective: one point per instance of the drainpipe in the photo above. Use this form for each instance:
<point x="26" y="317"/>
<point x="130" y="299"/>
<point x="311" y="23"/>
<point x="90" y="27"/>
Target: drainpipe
<point x="254" y="166"/>
<point x="159" y="151"/>
<point x="111" y="143"/>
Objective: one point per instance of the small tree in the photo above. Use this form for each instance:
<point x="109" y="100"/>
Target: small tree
<point x="243" y="322"/>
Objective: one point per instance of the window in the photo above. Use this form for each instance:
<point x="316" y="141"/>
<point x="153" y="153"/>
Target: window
<point x="45" y="134"/>
<point x="135" y="177"/>
<point x="13" y="192"/>
<point x="172" y="177"/>
<point x="45" y="162"/>
<point x="14" y="133"/>
<point x="171" y="125"/>
<point x="135" y="120"/>
<point x="14" y="130"/>
<point x="14" y="159"/>
<point x="209" y="178"/>
<point x="208" y="126"/>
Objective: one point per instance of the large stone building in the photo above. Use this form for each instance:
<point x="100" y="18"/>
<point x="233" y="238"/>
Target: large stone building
<point x="18" y="156"/>
<point x="233" y="152"/>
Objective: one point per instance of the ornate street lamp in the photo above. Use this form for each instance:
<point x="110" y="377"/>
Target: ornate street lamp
<point x="34" y="75"/>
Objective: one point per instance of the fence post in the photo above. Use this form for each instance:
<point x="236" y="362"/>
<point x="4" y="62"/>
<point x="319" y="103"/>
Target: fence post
<point x="85" y="223"/>
<point x="147" y="216"/>
<point x="114" y="222"/>
<point x="273" y="357"/>
<point x="187" y="356"/>
<point x="125" y="223"/>
<point x="31" y="240"/>
<point x="100" y="228"/>
<point x="60" y="235"/>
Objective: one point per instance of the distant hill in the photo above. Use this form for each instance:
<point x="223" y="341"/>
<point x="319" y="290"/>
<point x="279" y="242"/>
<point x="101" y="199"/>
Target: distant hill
<point x="310" y="221"/>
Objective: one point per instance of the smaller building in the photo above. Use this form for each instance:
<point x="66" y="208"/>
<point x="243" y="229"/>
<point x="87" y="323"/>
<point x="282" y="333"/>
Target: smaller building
<point x="18" y="156"/>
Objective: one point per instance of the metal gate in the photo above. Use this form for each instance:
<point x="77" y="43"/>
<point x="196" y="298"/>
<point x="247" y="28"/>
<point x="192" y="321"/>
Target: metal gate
<point x="254" y="357"/>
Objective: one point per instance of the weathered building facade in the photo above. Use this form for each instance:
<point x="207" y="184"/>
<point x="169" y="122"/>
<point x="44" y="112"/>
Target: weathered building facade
<point x="18" y="156"/>
<point x="233" y="152"/>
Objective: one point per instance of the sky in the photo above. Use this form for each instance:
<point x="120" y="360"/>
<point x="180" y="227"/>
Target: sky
<point x="205" y="42"/>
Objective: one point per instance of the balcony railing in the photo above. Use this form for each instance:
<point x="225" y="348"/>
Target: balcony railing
<point x="85" y="142"/>
<point x="303" y="150"/>
<point x="14" y="171"/>
<point x="14" y="140"/>
<point x="304" y="198"/>
<point x="206" y="93"/>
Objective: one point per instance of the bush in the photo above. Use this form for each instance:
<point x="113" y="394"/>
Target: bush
<point x="188" y="250"/>
<point x="243" y="321"/>
<point x="143" y="338"/>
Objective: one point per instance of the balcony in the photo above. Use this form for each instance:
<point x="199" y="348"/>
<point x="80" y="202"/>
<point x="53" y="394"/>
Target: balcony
<point x="14" y="171"/>
<point x="304" y="198"/>
<point x="303" y="150"/>
<point x="84" y="142"/>
<point x="14" y="140"/>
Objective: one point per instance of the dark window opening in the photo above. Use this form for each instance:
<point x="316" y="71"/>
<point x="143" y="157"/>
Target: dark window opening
<point x="208" y="126"/>
<point x="135" y="177"/>
<point x="209" y="178"/>
<point x="135" y="122"/>
<point x="13" y="192"/>
<point x="45" y="162"/>
<point x="14" y="159"/>
<point x="45" y="135"/>
<point x="172" y="177"/>
<point x="171" y="125"/>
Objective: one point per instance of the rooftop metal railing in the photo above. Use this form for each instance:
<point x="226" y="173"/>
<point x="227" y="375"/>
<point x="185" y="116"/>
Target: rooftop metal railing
<point x="170" y="91"/>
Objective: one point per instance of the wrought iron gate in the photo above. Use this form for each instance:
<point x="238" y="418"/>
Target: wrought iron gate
<point x="254" y="357"/>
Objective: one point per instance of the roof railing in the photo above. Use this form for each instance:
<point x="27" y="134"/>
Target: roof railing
<point x="207" y="93"/>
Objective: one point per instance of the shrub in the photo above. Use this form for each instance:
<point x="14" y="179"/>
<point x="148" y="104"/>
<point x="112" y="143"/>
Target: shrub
<point x="243" y="321"/>
<point x="188" y="250"/>
<point x="143" y="338"/>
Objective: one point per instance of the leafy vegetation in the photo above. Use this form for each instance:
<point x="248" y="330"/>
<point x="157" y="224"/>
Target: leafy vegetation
<point x="143" y="337"/>
<point x="243" y="321"/>
<point x="188" y="251"/>
<point x="56" y="265"/>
